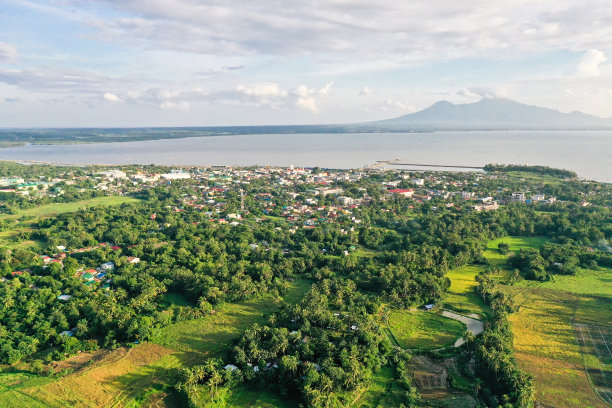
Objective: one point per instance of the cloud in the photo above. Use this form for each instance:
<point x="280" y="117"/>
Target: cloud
<point x="180" y="105"/>
<point x="263" y="90"/>
<point x="233" y="68"/>
<point x="356" y="31"/>
<point x="480" y="92"/>
<point x="325" y="90"/>
<point x="390" y="105"/>
<point x="111" y="97"/>
<point x="365" y="91"/>
<point x="8" y="53"/>
<point x="590" y="61"/>
<point x="308" y="104"/>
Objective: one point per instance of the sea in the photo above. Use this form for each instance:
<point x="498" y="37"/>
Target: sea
<point x="588" y="153"/>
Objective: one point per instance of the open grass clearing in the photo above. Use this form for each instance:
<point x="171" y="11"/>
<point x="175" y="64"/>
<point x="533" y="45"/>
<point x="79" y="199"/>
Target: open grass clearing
<point x="247" y="396"/>
<point x="461" y="295"/>
<point x="597" y="282"/>
<point x="49" y="210"/>
<point x="424" y="330"/>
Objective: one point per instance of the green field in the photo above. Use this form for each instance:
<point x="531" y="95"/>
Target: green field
<point x="49" y="210"/>
<point x="461" y="295"/>
<point x="245" y="396"/>
<point x="515" y="243"/>
<point x="24" y="219"/>
<point x="596" y="282"/>
<point x="424" y="330"/>
<point x="140" y="376"/>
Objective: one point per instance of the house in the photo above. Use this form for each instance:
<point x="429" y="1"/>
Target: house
<point x="518" y="197"/>
<point x="538" y="197"/>
<point x="133" y="260"/>
<point x="429" y="307"/>
<point x="402" y="192"/>
<point x="64" y="297"/>
<point x="343" y="200"/>
<point x="106" y="267"/>
<point x="488" y="206"/>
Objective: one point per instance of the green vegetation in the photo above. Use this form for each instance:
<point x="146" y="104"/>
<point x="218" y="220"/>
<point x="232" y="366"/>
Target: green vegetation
<point x="229" y="288"/>
<point x="540" y="170"/>
<point x="48" y="210"/>
<point x="424" y="330"/>
<point x="462" y="295"/>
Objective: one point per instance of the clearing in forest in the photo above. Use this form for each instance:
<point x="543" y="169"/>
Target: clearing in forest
<point x="424" y="330"/>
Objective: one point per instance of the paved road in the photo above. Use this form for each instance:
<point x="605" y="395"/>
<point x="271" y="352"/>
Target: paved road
<point x="473" y="326"/>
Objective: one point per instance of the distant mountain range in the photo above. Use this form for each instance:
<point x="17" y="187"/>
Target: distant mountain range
<point x="494" y="114"/>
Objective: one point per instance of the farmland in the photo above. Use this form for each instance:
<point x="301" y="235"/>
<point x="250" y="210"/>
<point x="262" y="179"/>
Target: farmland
<point x="544" y="338"/>
<point x="126" y="376"/>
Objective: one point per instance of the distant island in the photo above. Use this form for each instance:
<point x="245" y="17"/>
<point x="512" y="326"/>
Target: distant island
<point x="486" y="114"/>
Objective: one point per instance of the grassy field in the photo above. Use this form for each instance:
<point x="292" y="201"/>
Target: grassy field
<point x="245" y="396"/>
<point x="424" y="330"/>
<point x="139" y="376"/>
<point x="596" y="282"/>
<point x="23" y="219"/>
<point x="461" y="295"/>
<point x="49" y="210"/>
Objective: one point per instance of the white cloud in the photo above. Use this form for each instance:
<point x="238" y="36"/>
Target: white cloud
<point x="111" y="97"/>
<point x="180" y="105"/>
<point x="359" y="32"/>
<point x="263" y="90"/>
<point x="479" y="92"/>
<point x="325" y="90"/>
<point x="590" y="61"/>
<point x="365" y="91"/>
<point x="308" y="103"/>
<point x="390" y="105"/>
<point x="8" y="53"/>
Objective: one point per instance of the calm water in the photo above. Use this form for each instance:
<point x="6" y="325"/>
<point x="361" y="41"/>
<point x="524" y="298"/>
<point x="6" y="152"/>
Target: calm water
<point x="589" y="153"/>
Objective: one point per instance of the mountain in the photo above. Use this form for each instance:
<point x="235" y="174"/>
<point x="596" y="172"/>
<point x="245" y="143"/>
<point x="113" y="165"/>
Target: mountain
<point x="495" y="113"/>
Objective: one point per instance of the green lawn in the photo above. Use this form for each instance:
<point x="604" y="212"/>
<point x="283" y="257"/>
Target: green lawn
<point x="424" y="330"/>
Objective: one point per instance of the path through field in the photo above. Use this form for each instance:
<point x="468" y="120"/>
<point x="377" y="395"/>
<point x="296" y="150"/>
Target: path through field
<point x="474" y="326"/>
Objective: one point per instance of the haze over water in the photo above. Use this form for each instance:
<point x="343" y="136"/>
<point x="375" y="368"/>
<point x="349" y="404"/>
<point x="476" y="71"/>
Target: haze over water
<point x="588" y="153"/>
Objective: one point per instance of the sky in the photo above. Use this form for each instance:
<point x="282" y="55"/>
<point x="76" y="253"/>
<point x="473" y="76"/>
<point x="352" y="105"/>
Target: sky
<point x="128" y="63"/>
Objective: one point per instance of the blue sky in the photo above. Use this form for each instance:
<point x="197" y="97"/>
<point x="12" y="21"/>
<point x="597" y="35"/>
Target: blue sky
<point x="238" y="62"/>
